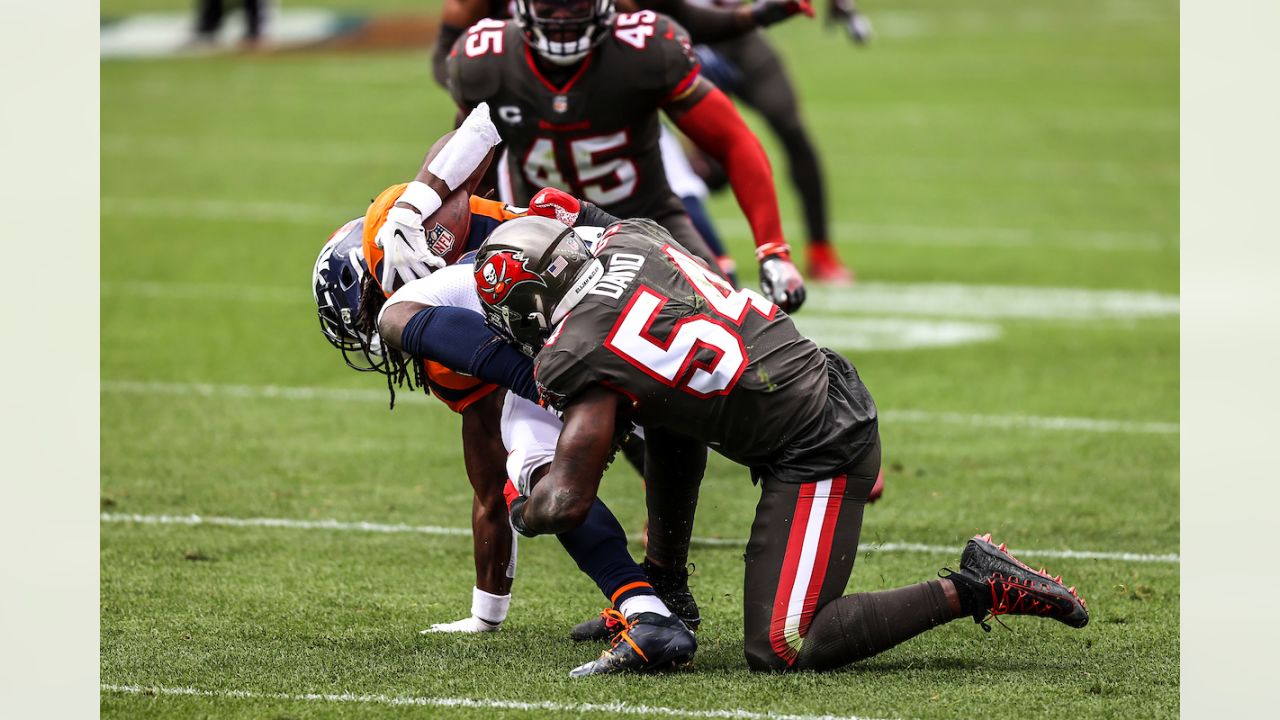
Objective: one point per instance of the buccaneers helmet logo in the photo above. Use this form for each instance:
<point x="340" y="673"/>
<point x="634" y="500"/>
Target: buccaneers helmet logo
<point x="500" y="273"/>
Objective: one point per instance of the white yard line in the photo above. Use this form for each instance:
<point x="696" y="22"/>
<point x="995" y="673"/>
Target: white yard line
<point x="562" y="708"/>
<point x="369" y="527"/>
<point x="825" y="305"/>
<point x="273" y="392"/>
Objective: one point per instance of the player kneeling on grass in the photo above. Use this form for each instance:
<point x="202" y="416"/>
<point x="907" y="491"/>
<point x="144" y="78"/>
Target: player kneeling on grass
<point x="636" y="330"/>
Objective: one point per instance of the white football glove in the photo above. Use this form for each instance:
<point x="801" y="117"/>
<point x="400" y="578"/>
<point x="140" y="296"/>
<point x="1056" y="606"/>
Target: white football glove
<point x="472" y="624"/>
<point x="780" y="280"/>
<point x="406" y="256"/>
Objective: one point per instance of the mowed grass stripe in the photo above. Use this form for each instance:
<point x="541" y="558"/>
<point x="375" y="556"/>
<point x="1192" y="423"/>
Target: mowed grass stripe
<point x="294" y="213"/>
<point x="372" y="527"/>
<point x="277" y="392"/>
<point x="613" y="708"/>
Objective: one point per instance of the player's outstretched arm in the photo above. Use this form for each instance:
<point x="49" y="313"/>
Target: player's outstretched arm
<point x="561" y="500"/>
<point x="712" y="24"/>
<point x="460" y="340"/>
<point x="706" y="115"/>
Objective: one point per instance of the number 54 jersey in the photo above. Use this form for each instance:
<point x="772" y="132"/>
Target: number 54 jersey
<point x="596" y="135"/>
<point x="701" y="359"/>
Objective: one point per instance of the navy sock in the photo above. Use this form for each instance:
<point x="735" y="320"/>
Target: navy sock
<point x="599" y="546"/>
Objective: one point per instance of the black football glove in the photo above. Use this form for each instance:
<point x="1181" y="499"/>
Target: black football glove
<point x="768" y="12"/>
<point x="845" y="13"/>
<point x="780" y="280"/>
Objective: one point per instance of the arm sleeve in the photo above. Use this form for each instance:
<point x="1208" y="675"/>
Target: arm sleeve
<point x="460" y="340"/>
<point x="592" y="215"/>
<point x="715" y="126"/>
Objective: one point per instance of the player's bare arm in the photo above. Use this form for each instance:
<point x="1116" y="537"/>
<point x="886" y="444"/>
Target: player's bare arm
<point x="562" y="498"/>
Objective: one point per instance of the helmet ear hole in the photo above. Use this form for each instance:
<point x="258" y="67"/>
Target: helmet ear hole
<point x="348" y="277"/>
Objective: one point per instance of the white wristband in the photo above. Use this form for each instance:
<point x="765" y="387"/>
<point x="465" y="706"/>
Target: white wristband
<point x="466" y="149"/>
<point x="421" y="196"/>
<point x="489" y="607"/>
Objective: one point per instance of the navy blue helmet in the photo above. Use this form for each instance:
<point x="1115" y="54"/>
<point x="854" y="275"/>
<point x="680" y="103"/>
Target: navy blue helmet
<point x="335" y="282"/>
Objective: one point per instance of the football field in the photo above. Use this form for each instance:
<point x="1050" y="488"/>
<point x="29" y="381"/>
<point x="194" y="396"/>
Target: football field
<point x="1003" y="177"/>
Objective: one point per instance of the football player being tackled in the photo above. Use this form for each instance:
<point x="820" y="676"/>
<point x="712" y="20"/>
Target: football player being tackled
<point x="467" y="364"/>
<point x="576" y="89"/>
<point x="638" y="330"/>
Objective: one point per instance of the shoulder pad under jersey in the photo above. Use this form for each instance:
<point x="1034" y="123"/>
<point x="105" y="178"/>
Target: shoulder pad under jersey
<point x="657" y="49"/>
<point x="476" y="63"/>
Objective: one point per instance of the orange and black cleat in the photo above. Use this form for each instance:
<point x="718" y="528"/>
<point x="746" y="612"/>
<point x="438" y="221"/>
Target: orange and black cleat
<point x="999" y="584"/>
<point x="647" y="642"/>
<point x="601" y="627"/>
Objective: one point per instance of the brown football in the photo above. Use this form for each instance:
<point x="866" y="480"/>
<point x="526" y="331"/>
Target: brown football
<point x="447" y="227"/>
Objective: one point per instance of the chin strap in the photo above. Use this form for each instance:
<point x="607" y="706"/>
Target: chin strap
<point x="587" y="278"/>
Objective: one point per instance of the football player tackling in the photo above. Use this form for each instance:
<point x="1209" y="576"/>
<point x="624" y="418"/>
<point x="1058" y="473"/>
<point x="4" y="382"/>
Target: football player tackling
<point x="637" y="330"/>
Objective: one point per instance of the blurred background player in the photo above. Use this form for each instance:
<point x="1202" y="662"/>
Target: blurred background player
<point x="748" y="66"/>
<point x="575" y="90"/>
<point x="210" y="13"/>
<point x="704" y="24"/>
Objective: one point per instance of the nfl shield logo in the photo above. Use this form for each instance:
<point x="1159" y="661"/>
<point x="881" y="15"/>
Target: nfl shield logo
<point x="440" y="240"/>
<point x="560" y="103"/>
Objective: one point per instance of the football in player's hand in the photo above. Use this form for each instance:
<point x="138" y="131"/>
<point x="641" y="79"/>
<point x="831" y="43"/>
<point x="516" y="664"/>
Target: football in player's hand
<point x="447" y="227"/>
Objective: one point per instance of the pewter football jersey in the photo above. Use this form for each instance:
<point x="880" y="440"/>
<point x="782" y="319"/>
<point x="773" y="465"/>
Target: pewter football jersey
<point x="595" y="136"/>
<point x="695" y="356"/>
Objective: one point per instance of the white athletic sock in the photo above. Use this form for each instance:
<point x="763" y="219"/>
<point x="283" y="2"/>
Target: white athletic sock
<point x="641" y="604"/>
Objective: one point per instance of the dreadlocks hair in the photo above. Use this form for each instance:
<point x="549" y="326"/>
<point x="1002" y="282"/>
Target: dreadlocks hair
<point x="400" y="369"/>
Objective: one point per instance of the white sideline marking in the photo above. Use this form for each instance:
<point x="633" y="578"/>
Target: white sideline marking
<point x="616" y="708"/>
<point x="613" y="708"/>
<point x="283" y="523"/>
<point x="336" y="525"/>
<point x="868" y="333"/>
<point x="1031" y="422"/>
<point x="989" y="301"/>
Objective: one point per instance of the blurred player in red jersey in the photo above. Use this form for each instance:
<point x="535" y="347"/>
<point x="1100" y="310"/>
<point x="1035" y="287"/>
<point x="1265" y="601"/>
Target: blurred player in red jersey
<point x="575" y="90"/>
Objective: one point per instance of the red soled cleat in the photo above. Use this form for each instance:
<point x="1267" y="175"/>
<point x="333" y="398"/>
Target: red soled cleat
<point x="1004" y="585"/>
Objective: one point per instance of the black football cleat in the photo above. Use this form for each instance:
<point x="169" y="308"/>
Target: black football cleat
<point x="601" y="627"/>
<point x="647" y="642"/>
<point x="1000" y="584"/>
<point x="672" y="588"/>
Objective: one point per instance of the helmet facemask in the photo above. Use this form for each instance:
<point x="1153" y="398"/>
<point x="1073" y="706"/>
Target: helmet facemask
<point x="529" y="274"/>
<point x="564" y="31"/>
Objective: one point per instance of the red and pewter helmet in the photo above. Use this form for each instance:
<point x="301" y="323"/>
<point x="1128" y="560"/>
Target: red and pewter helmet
<point x="529" y="274"/>
<point x="564" y="31"/>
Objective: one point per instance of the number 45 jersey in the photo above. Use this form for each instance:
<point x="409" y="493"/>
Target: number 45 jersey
<point x="701" y="359"/>
<point x="596" y="135"/>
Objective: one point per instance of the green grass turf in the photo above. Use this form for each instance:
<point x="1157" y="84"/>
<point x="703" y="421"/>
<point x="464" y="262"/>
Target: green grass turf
<point x="996" y="142"/>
